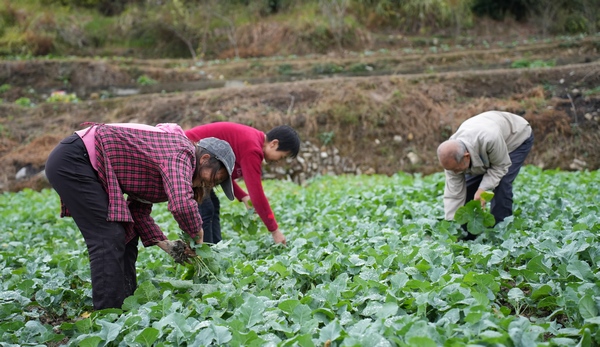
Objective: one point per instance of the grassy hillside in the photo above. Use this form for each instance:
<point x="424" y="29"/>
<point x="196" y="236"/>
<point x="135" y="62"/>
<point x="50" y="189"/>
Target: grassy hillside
<point x="212" y="29"/>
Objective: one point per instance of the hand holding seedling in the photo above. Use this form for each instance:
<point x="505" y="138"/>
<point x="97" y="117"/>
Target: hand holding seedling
<point x="178" y="250"/>
<point x="478" y="197"/>
<point x="278" y="237"/>
<point x="247" y="203"/>
<point x="483" y="196"/>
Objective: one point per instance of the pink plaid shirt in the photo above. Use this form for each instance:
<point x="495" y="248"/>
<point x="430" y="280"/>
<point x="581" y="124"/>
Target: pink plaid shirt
<point x="149" y="167"/>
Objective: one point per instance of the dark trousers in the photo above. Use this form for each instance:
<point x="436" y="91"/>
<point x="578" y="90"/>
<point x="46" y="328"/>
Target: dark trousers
<point x="210" y="208"/>
<point x="112" y="262"/>
<point x="502" y="203"/>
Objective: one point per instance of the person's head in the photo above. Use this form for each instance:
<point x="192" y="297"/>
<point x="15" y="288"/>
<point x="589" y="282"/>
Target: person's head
<point x="214" y="165"/>
<point x="454" y="156"/>
<point x="281" y="142"/>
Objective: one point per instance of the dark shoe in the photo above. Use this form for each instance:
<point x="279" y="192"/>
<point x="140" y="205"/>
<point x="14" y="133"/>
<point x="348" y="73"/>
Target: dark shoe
<point x="467" y="236"/>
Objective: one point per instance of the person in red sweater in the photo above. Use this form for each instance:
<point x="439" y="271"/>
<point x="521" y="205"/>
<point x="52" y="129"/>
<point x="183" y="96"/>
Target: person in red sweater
<point x="250" y="146"/>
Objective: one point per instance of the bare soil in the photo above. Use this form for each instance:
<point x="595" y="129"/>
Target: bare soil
<point x="374" y="109"/>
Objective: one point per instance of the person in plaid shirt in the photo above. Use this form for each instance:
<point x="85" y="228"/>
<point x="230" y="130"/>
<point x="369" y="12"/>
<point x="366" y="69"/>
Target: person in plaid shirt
<point x="94" y="168"/>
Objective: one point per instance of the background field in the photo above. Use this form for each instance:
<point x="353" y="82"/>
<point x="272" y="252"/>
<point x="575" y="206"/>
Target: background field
<point x="371" y="88"/>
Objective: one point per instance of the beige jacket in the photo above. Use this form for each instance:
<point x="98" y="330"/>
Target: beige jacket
<point x="489" y="138"/>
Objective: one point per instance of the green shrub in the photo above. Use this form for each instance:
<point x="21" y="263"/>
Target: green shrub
<point x="144" y="80"/>
<point x="359" y="67"/>
<point x="23" y="101"/>
<point x="4" y="88"/>
<point x="62" y="97"/>
<point x="327" y="68"/>
<point x="285" y="69"/>
<point x="96" y="30"/>
<point x="524" y="63"/>
<point x="327" y="137"/>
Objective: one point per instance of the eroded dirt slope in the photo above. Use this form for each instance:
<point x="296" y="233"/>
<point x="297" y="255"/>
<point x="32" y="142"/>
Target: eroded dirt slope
<point x="373" y="124"/>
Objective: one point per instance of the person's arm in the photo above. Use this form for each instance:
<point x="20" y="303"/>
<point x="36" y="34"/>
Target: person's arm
<point x="150" y="234"/>
<point x="500" y="162"/>
<point x="455" y="193"/>
<point x="143" y="223"/>
<point x="239" y="193"/>
<point x="194" y="134"/>
<point x="177" y="181"/>
<point x="252" y="168"/>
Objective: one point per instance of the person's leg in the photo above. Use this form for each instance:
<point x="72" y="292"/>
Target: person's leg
<point x="207" y="211"/>
<point x="210" y="208"/>
<point x="131" y="253"/>
<point x="472" y="183"/>
<point x="502" y="203"/>
<point x="216" y="221"/>
<point x="69" y="171"/>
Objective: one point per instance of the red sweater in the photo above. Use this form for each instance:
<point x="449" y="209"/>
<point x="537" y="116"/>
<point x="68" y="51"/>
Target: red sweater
<point x="247" y="144"/>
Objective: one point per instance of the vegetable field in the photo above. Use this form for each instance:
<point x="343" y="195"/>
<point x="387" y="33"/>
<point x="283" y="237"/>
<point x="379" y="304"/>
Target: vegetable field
<point x="369" y="262"/>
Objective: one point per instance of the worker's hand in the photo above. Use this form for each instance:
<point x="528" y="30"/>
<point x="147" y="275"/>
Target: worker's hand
<point x="199" y="237"/>
<point x="278" y="236"/>
<point x="477" y="196"/>
<point x="247" y="202"/>
<point x="178" y="250"/>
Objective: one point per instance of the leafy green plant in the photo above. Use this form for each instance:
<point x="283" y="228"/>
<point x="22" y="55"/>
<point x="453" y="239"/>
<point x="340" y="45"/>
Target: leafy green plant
<point x="62" y="97"/>
<point x="285" y="69"/>
<point x="24" y="101"/>
<point x="524" y="63"/>
<point x="360" y="67"/>
<point x="369" y="261"/>
<point x="476" y="218"/>
<point x="144" y="80"/>
<point x="327" y="68"/>
<point x="326" y="137"/>
<point x="4" y="88"/>
<point x="592" y="91"/>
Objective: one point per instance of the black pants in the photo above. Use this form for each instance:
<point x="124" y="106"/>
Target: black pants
<point x="210" y="208"/>
<point x="112" y="262"/>
<point x="502" y="203"/>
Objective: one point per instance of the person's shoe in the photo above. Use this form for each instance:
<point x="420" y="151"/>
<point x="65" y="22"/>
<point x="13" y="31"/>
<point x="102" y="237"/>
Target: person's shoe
<point x="467" y="236"/>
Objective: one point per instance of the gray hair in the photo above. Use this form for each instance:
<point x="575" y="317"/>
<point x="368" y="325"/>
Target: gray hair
<point x="454" y="149"/>
<point x="461" y="149"/>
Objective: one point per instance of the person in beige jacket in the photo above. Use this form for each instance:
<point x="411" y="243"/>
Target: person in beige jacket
<point x="485" y="154"/>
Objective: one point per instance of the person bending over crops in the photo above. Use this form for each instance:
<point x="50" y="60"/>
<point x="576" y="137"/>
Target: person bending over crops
<point x="251" y="147"/>
<point x="486" y="153"/>
<point x="91" y="171"/>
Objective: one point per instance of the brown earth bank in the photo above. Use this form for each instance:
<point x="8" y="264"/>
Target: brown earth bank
<point x="375" y="124"/>
<point x="108" y="77"/>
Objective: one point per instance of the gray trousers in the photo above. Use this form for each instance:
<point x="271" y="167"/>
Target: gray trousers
<point x="502" y="203"/>
<point x="112" y="262"/>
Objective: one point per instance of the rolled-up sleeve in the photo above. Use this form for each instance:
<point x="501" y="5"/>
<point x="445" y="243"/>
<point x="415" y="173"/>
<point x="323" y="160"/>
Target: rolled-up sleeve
<point x="178" y="187"/>
<point x="455" y="193"/>
<point x="143" y="223"/>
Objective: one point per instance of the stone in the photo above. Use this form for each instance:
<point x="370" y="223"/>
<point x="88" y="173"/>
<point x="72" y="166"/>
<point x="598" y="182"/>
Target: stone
<point x="414" y="158"/>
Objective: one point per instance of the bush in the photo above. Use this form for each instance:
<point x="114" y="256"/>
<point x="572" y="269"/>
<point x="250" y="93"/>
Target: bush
<point x="144" y="80"/>
<point x="327" y="68"/>
<point x="62" y="97"/>
<point x="25" y="102"/>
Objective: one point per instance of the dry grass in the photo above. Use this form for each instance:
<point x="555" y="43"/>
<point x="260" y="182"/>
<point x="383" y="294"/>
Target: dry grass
<point x="364" y="114"/>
